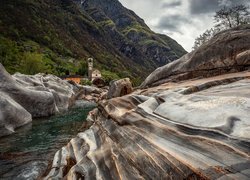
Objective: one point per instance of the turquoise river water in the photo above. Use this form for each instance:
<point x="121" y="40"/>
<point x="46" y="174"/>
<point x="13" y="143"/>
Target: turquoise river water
<point x="27" y="153"/>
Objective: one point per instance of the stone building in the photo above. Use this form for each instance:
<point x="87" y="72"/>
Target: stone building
<point x="96" y="74"/>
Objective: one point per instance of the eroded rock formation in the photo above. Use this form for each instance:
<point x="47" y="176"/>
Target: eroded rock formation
<point x="227" y="52"/>
<point x="12" y="115"/>
<point x="120" y="88"/>
<point x="91" y="93"/>
<point x="189" y="129"/>
<point x="172" y="131"/>
<point x="25" y="97"/>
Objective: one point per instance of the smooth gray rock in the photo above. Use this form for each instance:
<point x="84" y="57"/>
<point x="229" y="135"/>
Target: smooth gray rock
<point x="37" y="96"/>
<point x="49" y="90"/>
<point x="90" y="93"/>
<point x="12" y="115"/>
<point x="226" y="52"/>
<point x="120" y="88"/>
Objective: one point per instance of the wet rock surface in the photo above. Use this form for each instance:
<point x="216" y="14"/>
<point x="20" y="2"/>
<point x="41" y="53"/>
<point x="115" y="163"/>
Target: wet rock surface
<point x="24" y="97"/>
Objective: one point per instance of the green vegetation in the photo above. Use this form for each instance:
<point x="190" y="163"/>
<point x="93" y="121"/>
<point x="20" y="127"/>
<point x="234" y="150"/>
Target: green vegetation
<point x="226" y="18"/>
<point x="83" y="68"/>
<point x="106" y="23"/>
<point x="57" y="37"/>
<point x="86" y="82"/>
<point x="32" y="63"/>
<point x="28" y="57"/>
<point x="148" y="42"/>
<point x="9" y="54"/>
<point x="109" y="76"/>
<point x="137" y="81"/>
<point x="137" y="28"/>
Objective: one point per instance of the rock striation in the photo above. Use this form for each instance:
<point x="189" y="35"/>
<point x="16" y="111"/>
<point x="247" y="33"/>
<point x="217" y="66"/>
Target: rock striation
<point x="120" y="88"/>
<point x="226" y="52"/>
<point x="182" y="128"/>
<point x="91" y="93"/>
<point x="12" y="115"/>
<point x="24" y="97"/>
<point x="173" y="131"/>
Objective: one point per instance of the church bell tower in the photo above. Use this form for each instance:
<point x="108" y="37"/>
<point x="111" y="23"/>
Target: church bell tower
<point x="90" y="68"/>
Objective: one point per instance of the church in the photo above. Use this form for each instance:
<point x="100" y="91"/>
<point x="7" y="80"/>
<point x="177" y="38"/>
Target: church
<point x="93" y="74"/>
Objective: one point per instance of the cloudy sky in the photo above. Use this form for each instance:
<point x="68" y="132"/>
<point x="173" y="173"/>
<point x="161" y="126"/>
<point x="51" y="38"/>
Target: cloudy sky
<point x="183" y="20"/>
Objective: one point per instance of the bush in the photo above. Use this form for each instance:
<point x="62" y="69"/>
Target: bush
<point x="9" y="54"/>
<point x="83" y="68"/>
<point x="86" y="82"/>
<point x="32" y="63"/>
<point x="137" y="81"/>
<point x="109" y="76"/>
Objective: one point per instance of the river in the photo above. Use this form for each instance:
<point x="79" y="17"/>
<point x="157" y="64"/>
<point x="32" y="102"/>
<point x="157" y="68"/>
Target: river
<point x="27" y="153"/>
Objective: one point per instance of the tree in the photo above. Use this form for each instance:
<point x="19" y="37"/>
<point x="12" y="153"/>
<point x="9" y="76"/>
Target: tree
<point x="229" y="17"/>
<point x="32" y="63"/>
<point x="206" y="36"/>
<point x="83" y="68"/>
<point x="9" y="55"/>
<point x="226" y="18"/>
<point x="109" y="76"/>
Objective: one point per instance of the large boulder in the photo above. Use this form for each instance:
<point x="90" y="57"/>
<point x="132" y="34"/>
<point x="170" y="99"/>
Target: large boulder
<point x="31" y="96"/>
<point x="226" y="52"/>
<point x="53" y="91"/>
<point x="120" y="88"/>
<point x="12" y="115"/>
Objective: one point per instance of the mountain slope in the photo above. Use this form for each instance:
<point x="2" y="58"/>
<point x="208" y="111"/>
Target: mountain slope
<point x="135" y="36"/>
<point x="61" y="34"/>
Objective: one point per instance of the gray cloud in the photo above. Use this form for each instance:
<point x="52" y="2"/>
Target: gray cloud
<point x="171" y="4"/>
<point x="183" y="20"/>
<point x="203" y="6"/>
<point x="233" y="2"/>
<point x="172" y="23"/>
<point x="210" y="6"/>
<point x="225" y="3"/>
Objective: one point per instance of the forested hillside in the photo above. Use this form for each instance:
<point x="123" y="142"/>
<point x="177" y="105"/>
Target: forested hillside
<point x="58" y="36"/>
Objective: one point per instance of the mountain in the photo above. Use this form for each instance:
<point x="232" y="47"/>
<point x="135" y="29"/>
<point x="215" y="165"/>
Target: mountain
<point x="58" y="36"/>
